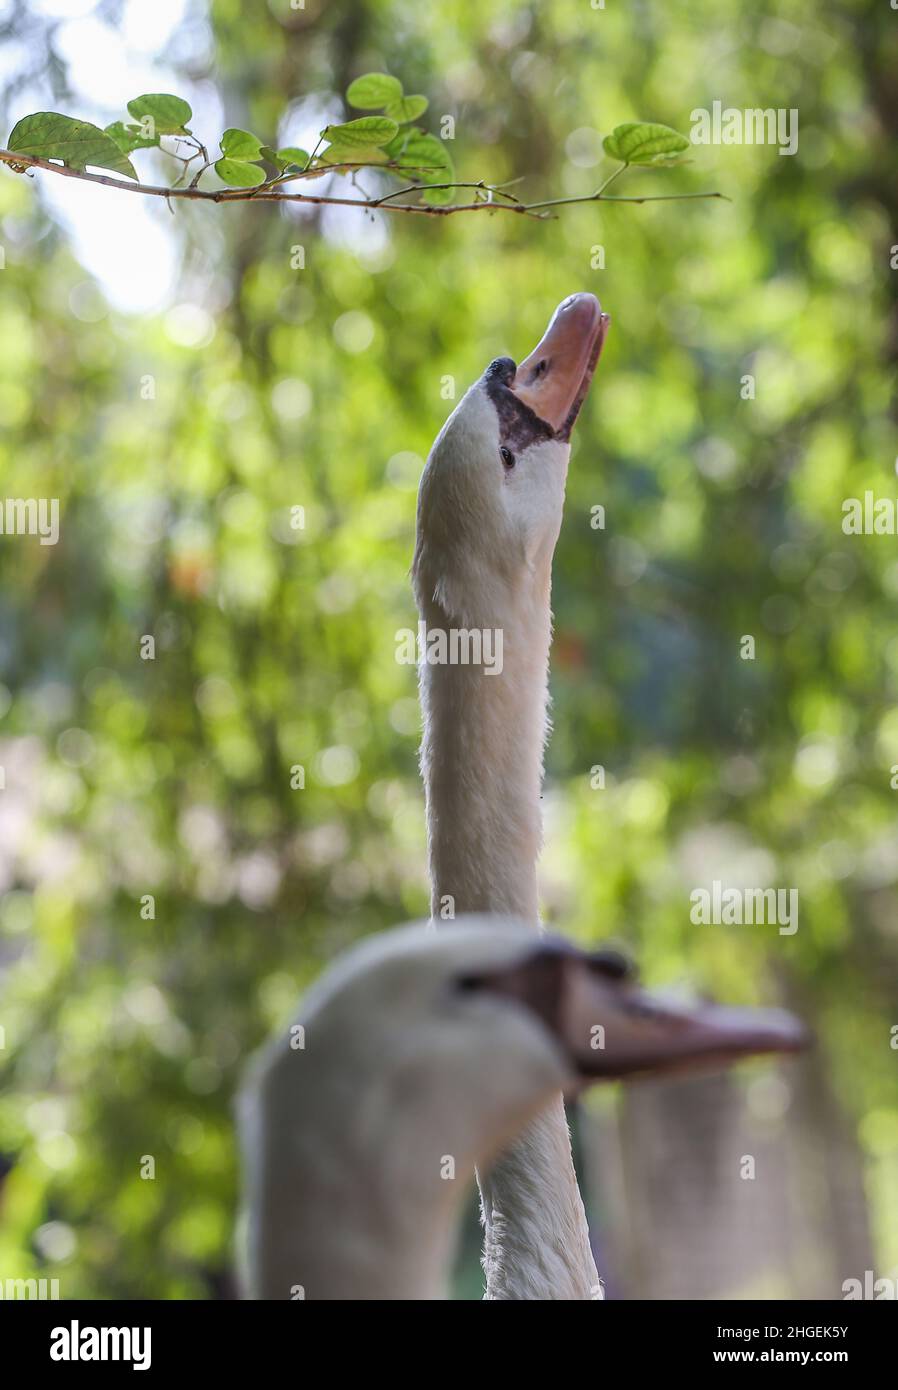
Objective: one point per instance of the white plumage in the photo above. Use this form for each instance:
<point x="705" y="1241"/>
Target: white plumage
<point x="406" y="1076"/>
<point x="483" y="559"/>
<point x="423" y="1053"/>
<point x="435" y="1050"/>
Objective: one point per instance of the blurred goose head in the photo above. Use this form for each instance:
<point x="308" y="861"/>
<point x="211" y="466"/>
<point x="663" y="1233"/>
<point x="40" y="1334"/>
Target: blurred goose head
<point x="420" y="1054"/>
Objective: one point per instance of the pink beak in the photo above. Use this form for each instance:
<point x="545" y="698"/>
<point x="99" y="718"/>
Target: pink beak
<point x="554" y="379"/>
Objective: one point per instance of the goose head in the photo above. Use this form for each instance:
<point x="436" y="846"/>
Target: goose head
<point x="492" y="492"/>
<point x="422" y="1045"/>
<point x="486" y="1017"/>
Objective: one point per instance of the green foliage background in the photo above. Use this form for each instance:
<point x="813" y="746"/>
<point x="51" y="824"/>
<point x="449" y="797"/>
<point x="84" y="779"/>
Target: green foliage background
<point x="125" y="1037"/>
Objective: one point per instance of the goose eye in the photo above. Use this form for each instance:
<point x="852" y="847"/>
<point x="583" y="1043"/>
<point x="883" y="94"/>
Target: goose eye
<point x="540" y="367"/>
<point x="507" y="457"/>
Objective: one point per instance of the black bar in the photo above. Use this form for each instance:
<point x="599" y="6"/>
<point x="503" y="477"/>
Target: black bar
<point x="230" y="1339"/>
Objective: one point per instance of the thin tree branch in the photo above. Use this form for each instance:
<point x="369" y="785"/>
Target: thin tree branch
<point x="417" y="187"/>
<point x="269" y="192"/>
<point x="611" y="177"/>
<point x="617" y="198"/>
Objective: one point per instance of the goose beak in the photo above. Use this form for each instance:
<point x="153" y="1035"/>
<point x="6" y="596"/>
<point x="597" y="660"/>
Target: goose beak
<point x="554" y="379"/>
<point x="614" y="1029"/>
<point x="611" y="1029"/>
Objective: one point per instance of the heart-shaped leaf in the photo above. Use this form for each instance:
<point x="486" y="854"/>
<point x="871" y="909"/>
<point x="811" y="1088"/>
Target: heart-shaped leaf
<point x="407" y="109"/>
<point x="426" y="160"/>
<point x="367" y="130"/>
<point x="48" y="135"/>
<point x="291" y="158"/>
<point x="239" y="174"/>
<point x="425" y="152"/>
<point x="169" y="114"/>
<point x="374" y="91"/>
<point x="354" y="154"/>
<point x="240" y="144"/>
<point x="644" y="142"/>
<point x="292" y="154"/>
<point x="130" y="137"/>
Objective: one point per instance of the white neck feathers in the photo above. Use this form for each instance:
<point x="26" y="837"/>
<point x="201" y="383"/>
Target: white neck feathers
<point x="482" y="763"/>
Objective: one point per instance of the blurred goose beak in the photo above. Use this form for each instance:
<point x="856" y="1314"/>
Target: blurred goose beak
<point x="614" y="1029"/>
<point x="554" y="379"/>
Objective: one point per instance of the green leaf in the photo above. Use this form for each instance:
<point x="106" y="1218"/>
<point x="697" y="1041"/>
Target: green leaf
<point x="367" y="130"/>
<point x="130" y="137"/>
<point x="169" y="114"/>
<point x="238" y="174"/>
<point x="292" y="159"/>
<point x="374" y="91"/>
<point x="426" y="152"/>
<point x="292" y="154"/>
<point x="354" y="154"/>
<point x="426" y="160"/>
<point x="48" y="135"/>
<point x="240" y="144"/>
<point x="407" y="109"/>
<point x="437" y="196"/>
<point x="644" y="142"/>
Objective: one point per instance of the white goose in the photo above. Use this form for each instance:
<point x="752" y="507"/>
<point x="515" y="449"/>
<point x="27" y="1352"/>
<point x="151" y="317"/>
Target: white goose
<point x="424" y="1052"/>
<point x="426" y="1046"/>
<point x="489" y="514"/>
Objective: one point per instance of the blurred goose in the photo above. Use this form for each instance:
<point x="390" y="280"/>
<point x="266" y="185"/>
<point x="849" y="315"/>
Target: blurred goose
<point x="424" y="1053"/>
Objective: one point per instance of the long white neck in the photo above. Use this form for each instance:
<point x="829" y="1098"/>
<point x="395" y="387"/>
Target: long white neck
<point x="481" y="759"/>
